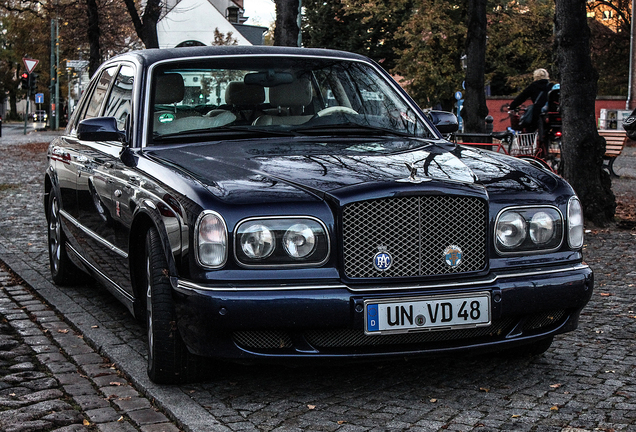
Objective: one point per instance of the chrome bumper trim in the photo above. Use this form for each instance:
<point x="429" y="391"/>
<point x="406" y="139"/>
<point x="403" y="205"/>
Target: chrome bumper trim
<point x="192" y="286"/>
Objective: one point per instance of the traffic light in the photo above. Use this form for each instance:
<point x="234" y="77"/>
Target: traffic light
<point x="24" y="80"/>
<point x="33" y="81"/>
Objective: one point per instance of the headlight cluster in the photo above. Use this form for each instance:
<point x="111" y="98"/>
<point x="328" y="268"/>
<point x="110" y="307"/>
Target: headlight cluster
<point x="528" y="229"/>
<point x="275" y="241"/>
<point x="281" y="241"/>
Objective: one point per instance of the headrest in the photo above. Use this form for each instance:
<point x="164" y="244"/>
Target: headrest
<point x="296" y="94"/>
<point x="240" y="94"/>
<point x="169" y="89"/>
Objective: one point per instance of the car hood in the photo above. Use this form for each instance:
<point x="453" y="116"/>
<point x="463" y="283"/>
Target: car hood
<point x="244" y="167"/>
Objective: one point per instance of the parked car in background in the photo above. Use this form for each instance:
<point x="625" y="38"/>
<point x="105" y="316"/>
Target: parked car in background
<point x="276" y="203"/>
<point x="40" y="116"/>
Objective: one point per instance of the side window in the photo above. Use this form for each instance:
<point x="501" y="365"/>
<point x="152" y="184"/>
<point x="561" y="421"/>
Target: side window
<point x="119" y="103"/>
<point x="94" y="104"/>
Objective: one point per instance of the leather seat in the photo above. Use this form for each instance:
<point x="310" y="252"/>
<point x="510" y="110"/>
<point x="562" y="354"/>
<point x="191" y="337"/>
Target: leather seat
<point x="290" y="101"/>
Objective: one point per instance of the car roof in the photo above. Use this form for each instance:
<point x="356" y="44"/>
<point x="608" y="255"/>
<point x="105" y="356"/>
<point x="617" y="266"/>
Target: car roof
<point x="150" y="56"/>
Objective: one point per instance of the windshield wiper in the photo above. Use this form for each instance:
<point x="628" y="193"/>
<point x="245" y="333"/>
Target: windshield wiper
<point x="351" y="128"/>
<point x="226" y="131"/>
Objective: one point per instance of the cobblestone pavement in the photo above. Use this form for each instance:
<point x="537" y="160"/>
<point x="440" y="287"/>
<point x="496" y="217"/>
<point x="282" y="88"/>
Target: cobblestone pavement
<point x="51" y="379"/>
<point x="585" y="382"/>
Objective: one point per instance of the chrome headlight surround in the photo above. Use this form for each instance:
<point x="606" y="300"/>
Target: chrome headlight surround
<point x="211" y="240"/>
<point x="575" y="223"/>
<point x="528" y="230"/>
<point x="296" y="241"/>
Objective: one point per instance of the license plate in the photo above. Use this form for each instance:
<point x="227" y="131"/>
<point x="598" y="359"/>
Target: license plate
<point x="426" y="313"/>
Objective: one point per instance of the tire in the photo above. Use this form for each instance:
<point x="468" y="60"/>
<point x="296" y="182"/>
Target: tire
<point x="63" y="271"/>
<point x="169" y="361"/>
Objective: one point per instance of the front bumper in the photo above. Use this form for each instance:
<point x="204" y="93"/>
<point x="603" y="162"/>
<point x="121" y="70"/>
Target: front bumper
<point x="327" y="320"/>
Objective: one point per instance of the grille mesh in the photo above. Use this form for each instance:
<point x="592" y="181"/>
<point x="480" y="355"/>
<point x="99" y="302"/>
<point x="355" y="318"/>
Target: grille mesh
<point x="543" y="320"/>
<point x="340" y="338"/>
<point x="267" y="339"/>
<point x="415" y="231"/>
<point x="343" y="338"/>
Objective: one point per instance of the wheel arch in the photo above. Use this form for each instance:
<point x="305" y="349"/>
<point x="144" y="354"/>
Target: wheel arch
<point x="143" y="221"/>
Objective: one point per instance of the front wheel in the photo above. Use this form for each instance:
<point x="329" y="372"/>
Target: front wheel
<point x="169" y="361"/>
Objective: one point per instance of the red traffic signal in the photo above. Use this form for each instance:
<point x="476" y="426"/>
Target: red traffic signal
<point x="24" y="79"/>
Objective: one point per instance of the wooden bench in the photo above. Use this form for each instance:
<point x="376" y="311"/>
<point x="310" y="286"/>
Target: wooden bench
<point x="614" y="143"/>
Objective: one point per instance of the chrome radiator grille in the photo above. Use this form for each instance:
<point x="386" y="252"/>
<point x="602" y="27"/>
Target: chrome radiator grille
<point x="416" y="232"/>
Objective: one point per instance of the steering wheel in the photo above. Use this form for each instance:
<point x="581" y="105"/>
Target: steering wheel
<point x="335" y="110"/>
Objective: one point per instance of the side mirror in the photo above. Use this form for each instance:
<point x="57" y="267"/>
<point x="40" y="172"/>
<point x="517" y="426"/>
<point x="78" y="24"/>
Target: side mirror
<point x="100" y="129"/>
<point x="445" y="122"/>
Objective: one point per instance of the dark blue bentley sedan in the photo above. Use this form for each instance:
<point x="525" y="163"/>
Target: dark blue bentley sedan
<point x="269" y="203"/>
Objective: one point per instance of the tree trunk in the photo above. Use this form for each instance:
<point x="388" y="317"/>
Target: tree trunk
<point x="475" y="108"/>
<point x="582" y="147"/>
<point x="146" y="29"/>
<point x="286" y="31"/>
<point x="95" y="55"/>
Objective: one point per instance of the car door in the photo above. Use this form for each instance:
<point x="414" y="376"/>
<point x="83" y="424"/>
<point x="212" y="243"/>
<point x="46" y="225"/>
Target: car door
<point x="98" y="213"/>
<point x="67" y="160"/>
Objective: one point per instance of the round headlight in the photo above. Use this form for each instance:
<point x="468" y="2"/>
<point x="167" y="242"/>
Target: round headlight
<point x="511" y="230"/>
<point x="299" y="241"/>
<point x="575" y="223"/>
<point x="258" y="242"/>
<point x="211" y="240"/>
<point x="541" y="228"/>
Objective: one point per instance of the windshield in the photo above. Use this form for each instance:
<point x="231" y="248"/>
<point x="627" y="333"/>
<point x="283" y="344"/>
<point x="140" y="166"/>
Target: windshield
<point x="277" y="95"/>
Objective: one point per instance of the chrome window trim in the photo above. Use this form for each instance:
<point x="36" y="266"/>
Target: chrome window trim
<point x="525" y="252"/>
<point x="186" y="285"/>
<point x="391" y="82"/>
<point x="291" y="265"/>
<point x="94" y="236"/>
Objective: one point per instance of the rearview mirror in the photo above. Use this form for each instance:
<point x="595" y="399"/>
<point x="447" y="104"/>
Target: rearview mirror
<point x="269" y="78"/>
<point x="445" y="122"/>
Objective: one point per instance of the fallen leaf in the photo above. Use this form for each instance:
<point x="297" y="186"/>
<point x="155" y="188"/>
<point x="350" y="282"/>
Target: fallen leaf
<point x="610" y="371"/>
<point x="86" y="422"/>
<point x="484" y="389"/>
<point x="95" y="326"/>
<point x="433" y="400"/>
<point x="555" y="386"/>
<point x="311" y="407"/>
<point x="120" y="419"/>
<point x="116" y="383"/>
<point x="516" y="416"/>
<point x="554" y="408"/>
<point x="341" y="422"/>
<point x="606" y="294"/>
<point x="64" y="331"/>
